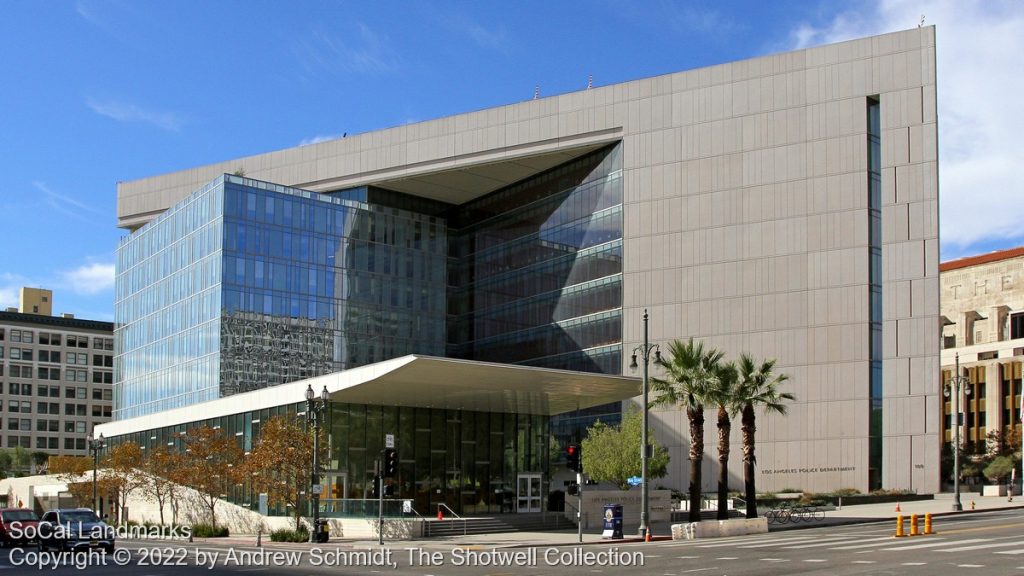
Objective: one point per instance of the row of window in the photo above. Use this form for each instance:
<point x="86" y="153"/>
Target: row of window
<point x="75" y="392"/>
<point x="44" y="425"/>
<point x="25" y="407"/>
<point x="54" y="339"/>
<point x="45" y="443"/>
<point x="70" y="374"/>
<point x="53" y="356"/>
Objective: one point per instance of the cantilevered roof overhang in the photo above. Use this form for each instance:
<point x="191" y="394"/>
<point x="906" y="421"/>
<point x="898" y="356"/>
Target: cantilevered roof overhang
<point x="421" y="382"/>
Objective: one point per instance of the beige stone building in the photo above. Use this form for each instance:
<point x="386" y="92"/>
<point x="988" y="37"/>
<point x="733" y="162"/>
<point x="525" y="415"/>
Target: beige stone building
<point x="983" y="323"/>
<point x="56" y="377"/>
<point x="785" y="206"/>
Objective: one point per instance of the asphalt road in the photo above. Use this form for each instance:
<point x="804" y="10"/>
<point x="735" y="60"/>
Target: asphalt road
<point x="988" y="543"/>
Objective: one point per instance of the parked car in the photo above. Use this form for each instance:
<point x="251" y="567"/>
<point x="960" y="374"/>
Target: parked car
<point x="75" y="529"/>
<point x="17" y="526"/>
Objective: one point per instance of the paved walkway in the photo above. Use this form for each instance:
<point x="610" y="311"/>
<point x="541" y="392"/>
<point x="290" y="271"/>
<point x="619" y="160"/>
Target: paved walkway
<point x="941" y="505"/>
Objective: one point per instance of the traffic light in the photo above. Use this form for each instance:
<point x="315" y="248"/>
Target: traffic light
<point x="390" y="462"/>
<point x="389" y="490"/>
<point x="574" y="457"/>
<point x="573" y="489"/>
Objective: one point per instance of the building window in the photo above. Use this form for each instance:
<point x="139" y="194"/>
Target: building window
<point x="1017" y="326"/>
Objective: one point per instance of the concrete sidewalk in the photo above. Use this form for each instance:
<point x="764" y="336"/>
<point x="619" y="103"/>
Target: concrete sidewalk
<point x="942" y="505"/>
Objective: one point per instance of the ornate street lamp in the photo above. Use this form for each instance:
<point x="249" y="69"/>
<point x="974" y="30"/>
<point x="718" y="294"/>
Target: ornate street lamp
<point x="314" y="415"/>
<point x="645" y="450"/>
<point x="95" y="445"/>
<point x="953" y="387"/>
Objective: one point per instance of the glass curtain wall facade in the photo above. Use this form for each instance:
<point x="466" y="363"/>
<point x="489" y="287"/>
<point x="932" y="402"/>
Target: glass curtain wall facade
<point x="535" y="275"/>
<point x="535" y="270"/>
<point x="875" y="288"/>
<point x="469" y="461"/>
<point x="167" y="308"/>
<point x="268" y="284"/>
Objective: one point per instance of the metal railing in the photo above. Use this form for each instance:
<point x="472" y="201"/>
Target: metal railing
<point x="454" y="517"/>
<point x="581" y="518"/>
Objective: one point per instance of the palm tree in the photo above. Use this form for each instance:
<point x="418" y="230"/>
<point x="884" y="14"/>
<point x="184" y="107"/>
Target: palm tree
<point x="723" y="393"/>
<point x="758" y="388"/>
<point x="691" y="369"/>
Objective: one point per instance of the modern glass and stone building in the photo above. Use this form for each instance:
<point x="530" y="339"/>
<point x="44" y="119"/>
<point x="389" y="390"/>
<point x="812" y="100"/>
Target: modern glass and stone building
<point x="785" y="206"/>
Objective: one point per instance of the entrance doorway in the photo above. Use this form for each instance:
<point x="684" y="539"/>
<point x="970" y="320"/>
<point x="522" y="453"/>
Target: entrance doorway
<point x="528" y="493"/>
<point x="335" y="490"/>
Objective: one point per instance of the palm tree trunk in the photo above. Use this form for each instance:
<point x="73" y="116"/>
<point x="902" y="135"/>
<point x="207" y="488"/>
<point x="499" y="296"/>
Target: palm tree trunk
<point x="749" y="459"/>
<point x="696" y="417"/>
<point x="724" y="427"/>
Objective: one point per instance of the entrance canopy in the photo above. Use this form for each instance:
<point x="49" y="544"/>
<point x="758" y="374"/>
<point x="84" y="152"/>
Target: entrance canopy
<point x="417" y="381"/>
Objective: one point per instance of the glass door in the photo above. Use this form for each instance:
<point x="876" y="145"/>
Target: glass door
<point x="335" y="491"/>
<point x="528" y="497"/>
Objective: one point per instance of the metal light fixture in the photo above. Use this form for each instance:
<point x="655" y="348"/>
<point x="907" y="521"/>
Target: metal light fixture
<point x="644" y="351"/>
<point x="95" y="445"/>
<point x="314" y="415"/>
<point x="952" y="389"/>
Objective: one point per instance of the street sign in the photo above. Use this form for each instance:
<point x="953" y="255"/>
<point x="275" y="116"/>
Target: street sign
<point x="318" y="489"/>
<point x="635" y="480"/>
<point x="389" y="440"/>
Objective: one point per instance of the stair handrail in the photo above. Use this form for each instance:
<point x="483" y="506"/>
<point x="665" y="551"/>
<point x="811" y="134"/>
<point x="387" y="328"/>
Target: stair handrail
<point x="450" y="511"/>
<point x="580" y="516"/>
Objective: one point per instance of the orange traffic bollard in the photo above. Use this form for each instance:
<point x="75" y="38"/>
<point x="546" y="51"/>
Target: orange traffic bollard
<point x="899" y="527"/>
<point x="913" y="525"/>
<point x="440" y="515"/>
<point x="897" y="505"/>
<point x="928" y="524"/>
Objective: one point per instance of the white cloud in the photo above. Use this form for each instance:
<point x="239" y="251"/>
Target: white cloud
<point x="127" y="112"/>
<point x="981" y="114"/>
<point x="9" y="286"/>
<point x="366" y="52"/>
<point x="62" y="203"/>
<point x="90" y="278"/>
<point x="318" y="139"/>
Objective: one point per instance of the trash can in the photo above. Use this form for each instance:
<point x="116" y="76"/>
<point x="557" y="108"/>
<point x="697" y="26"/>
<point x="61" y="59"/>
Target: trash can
<point x="612" y="521"/>
<point x="323" y="531"/>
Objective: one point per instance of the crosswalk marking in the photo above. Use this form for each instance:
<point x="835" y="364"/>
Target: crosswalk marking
<point x="980" y="546"/>
<point x="794" y="541"/>
<point x="743" y="540"/>
<point x="833" y="542"/>
<point x="874" y="544"/>
<point x="1011" y="552"/>
<point x="933" y="544"/>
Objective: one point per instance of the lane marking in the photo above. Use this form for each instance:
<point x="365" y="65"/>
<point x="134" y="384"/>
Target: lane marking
<point x="914" y="564"/>
<point x="727" y="558"/>
<point x="687" y="557"/>
<point x="970" y="565"/>
<point x="774" y="560"/>
<point x="700" y="569"/>
<point x="863" y="562"/>
<point x="1011" y="552"/>
<point x="815" y="560"/>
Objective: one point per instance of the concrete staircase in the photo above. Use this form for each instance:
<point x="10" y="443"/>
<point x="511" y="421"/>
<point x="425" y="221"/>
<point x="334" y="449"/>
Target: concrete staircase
<point x="534" y="522"/>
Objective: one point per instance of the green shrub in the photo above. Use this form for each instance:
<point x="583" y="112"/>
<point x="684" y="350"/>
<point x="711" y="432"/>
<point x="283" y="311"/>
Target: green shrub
<point x="208" y="531"/>
<point x="791" y="491"/>
<point x="289" y="535"/>
<point x="844" y="492"/>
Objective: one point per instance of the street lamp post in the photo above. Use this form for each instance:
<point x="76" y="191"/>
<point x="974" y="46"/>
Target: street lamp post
<point x="645" y="450"/>
<point x="95" y="445"/>
<point x="314" y="414"/>
<point x="952" y="388"/>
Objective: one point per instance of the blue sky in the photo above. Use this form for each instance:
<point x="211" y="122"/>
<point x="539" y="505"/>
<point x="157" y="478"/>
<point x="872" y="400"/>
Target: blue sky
<point x="98" y="91"/>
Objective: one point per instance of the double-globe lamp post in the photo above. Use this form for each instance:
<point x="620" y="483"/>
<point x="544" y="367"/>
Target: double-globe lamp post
<point x="95" y="445"/>
<point x="952" y="388"/>
<point x="644" y="351"/>
<point x="314" y="414"/>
